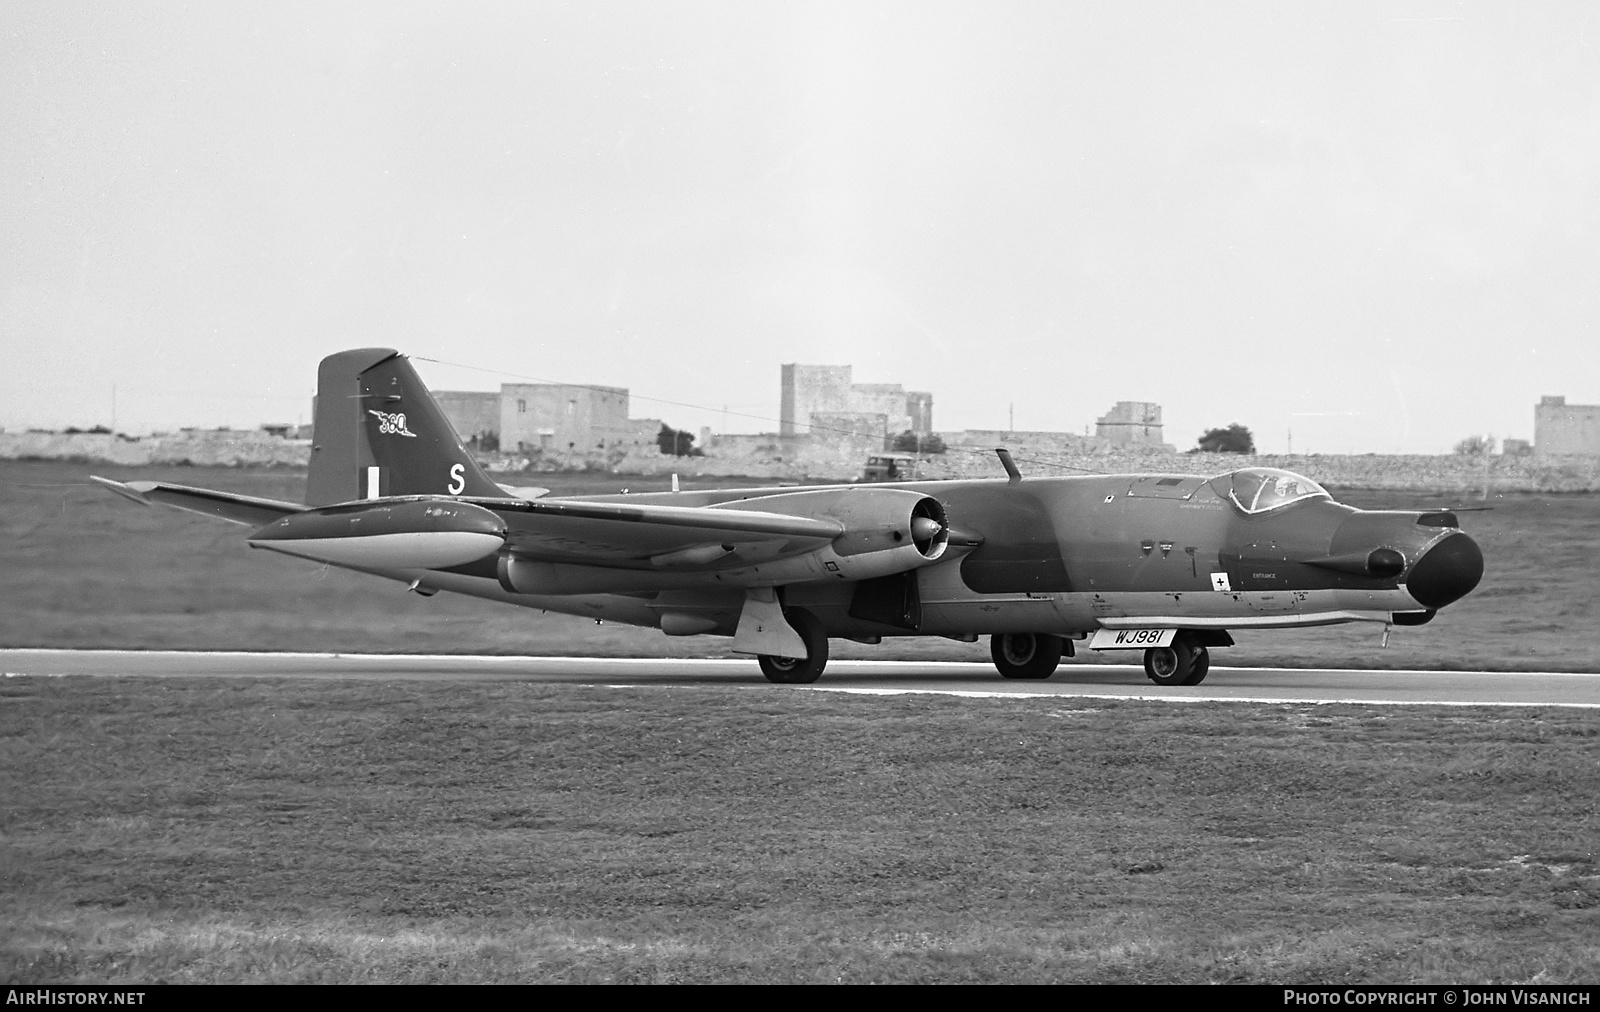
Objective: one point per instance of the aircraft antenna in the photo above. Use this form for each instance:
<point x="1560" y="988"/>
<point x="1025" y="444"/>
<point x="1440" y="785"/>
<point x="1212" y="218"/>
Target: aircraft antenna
<point x="1009" y="464"/>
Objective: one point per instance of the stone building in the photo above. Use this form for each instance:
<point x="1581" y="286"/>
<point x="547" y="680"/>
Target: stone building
<point x="1515" y="447"/>
<point x="564" y="417"/>
<point x="808" y="391"/>
<point x="584" y="421"/>
<point x="1131" y="422"/>
<point x="919" y="405"/>
<point x="1562" y="429"/>
<point x="474" y="414"/>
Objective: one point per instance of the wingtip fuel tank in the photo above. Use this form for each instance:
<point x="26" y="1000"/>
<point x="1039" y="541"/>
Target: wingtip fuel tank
<point x="403" y="534"/>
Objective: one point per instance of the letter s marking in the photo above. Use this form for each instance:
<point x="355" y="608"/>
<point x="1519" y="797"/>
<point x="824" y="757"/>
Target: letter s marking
<point x="458" y="479"/>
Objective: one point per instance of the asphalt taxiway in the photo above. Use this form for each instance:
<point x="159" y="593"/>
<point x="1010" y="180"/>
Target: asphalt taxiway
<point x="1101" y="681"/>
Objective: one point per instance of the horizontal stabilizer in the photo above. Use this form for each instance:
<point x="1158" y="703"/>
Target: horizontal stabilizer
<point x="523" y="491"/>
<point x="250" y="510"/>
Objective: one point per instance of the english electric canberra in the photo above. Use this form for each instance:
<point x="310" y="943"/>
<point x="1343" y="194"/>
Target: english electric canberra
<point x="1162" y="563"/>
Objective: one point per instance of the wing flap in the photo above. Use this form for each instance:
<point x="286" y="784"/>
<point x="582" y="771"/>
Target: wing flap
<point x="249" y="510"/>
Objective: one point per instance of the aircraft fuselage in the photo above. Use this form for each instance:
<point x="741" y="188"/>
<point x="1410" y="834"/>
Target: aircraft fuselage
<point x="1163" y="563"/>
<point x="1070" y="555"/>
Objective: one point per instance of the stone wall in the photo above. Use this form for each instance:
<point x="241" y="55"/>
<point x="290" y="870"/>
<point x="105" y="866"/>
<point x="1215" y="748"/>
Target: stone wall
<point x="224" y="448"/>
<point x="1447" y="473"/>
<point x="798" y="459"/>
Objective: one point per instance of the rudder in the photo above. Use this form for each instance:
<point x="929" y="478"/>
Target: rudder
<point x="379" y="432"/>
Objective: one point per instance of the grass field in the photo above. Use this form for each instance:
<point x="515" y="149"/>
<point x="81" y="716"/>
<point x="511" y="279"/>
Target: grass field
<point x="297" y="830"/>
<point x="85" y="568"/>
<point x="396" y="831"/>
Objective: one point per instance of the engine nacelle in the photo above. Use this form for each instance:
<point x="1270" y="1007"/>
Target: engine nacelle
<point x="401" y="534"/>
<point x="886" y="531"/>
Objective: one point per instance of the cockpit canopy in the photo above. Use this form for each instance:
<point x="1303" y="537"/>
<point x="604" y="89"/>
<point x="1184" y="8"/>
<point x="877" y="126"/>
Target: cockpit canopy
<point x="1262" y="489"/>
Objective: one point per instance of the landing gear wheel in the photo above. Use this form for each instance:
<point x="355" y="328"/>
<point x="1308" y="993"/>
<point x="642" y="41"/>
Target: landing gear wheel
<point x="799" y="670"/>
<point x="1025" y="655"/>
<point x="1184" y="663"/>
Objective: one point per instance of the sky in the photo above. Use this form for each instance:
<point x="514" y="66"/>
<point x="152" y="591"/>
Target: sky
<point x="1362" y="227"/>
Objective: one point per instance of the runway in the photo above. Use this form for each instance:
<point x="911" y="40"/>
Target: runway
<point x="1093" y="681"/>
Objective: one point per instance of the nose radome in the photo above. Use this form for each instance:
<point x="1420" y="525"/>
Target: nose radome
<point x="1446" y="572"/>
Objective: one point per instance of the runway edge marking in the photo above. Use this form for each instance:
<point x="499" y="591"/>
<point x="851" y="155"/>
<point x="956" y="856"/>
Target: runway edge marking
<point x="1194" y="699"/>
<point x="986" y="694"/>
<point x="11" y="652"/>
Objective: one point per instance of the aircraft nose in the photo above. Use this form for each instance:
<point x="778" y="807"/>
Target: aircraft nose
<point x="1446" y="572"/>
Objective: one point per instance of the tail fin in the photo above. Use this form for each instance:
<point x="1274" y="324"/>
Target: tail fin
<point x="379" y="432"/>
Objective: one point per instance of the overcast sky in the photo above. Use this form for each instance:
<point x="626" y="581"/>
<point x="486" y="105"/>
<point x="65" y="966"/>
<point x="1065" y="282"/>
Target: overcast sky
<point x="1375" y="224"/>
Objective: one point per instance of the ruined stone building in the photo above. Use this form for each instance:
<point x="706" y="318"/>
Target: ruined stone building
<point x="1131" y="422"/>
<point x="823" y="399"/>
<point x="1562" y="429"/>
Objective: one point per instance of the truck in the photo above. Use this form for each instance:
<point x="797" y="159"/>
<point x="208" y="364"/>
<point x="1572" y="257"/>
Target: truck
<point x="890" y="467"/>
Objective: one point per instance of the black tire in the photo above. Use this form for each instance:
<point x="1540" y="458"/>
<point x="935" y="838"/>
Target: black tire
<point x="799" y="670"/>
<point x="1025" y="655"/>
<point x="1200" y="665"/>
<point x="1171" y="665"/>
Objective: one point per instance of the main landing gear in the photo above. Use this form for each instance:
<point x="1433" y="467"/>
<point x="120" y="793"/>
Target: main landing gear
<point x="1025" y="655"/>
<point x="799" y="670"/>
<point x="1184" y="663"/>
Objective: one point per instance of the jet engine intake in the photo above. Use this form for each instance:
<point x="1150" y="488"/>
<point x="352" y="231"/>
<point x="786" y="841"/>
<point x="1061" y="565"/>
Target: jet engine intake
<point x="886" y="531"/>
<point x="874" y="519"/>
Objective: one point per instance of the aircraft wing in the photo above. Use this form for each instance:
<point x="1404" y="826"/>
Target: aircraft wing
<point x="240" y="509"/>
<point x="628" y="534"/>
<point x="439" y="532"/>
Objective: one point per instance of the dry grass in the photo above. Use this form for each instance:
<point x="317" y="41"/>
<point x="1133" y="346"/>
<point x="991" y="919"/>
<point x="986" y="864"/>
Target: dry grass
<point x="204" y="830"/>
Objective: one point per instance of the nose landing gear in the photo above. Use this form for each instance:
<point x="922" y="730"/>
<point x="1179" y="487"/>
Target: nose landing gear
<point x="1184" y="663"/>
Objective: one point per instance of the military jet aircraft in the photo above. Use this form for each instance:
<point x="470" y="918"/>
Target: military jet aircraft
<point x="1163" y="563"/>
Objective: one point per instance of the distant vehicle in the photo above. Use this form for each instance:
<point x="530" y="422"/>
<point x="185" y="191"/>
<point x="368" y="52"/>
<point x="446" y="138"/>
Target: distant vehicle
<point x="1166" y="564"/>
<point x="890" y="467"/>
